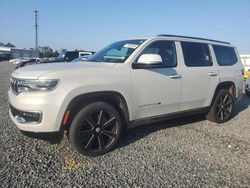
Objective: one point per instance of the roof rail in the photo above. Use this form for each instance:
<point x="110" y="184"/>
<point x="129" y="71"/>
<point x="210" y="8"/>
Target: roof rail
<point x="164" y="35"/>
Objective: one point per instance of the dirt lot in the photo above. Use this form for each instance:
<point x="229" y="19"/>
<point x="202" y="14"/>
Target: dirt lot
<point x="187" y="152"/>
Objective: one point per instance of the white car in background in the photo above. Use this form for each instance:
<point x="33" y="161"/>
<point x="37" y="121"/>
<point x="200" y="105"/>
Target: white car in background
<point x="18" y="60"/>
<point x="30" y="61"/>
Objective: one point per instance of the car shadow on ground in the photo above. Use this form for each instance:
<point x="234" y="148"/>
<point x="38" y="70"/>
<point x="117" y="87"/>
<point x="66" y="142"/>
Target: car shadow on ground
<point x="132" y="135"/>
<point x="243" y="104"/>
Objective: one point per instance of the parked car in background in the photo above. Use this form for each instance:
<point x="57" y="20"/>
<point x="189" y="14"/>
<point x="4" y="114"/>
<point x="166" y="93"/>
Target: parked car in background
<point x="83" y="58"/>
<point x="86" y="53"/>
<point x="67" y="56"/>
<point x="247" y="86"/>
<point x="18" y="60"/>
<point x="128" y="83"/>
<point x="4" y="56"/>
<point x="247" y="72"/>
<point x="28" y="62"/>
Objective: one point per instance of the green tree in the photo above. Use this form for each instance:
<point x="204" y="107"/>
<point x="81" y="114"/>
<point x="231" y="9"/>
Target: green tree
<point x="10" y="45"/>
<point x="55" y="54"/>
<point x="45" y="52"/>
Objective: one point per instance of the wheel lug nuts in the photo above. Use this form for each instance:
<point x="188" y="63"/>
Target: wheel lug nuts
<point x="97" y="130"/>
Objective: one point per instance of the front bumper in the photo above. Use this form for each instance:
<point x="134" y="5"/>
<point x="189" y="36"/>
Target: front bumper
<point x="26" y="117"/>
<point x="38" y="112"/>
<point x="49" y="136"/>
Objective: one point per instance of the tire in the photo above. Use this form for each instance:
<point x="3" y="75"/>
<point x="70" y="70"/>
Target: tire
<point x="96" y="129"/>
<point x="221" y="109"/>
<point x="247" y="93"/>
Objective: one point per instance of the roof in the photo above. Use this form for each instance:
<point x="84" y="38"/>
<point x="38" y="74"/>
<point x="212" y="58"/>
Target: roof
<point x="189" y="37"/>
<point x="245" y="55"/>
<point x="4" y="48"/>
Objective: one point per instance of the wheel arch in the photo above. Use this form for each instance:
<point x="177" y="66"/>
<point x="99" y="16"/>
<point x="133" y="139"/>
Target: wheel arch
<point x="114" y="98"/>
<point x="228" y="85"/>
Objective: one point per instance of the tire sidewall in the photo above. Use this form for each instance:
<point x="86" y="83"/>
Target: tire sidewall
<point x="217" y="99"/>
<point x="75" y="127"/>
<point x="248" y="93"/>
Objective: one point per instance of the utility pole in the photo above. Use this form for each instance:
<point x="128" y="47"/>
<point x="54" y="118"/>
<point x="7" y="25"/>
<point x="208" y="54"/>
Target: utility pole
<point x="36" y="26"/>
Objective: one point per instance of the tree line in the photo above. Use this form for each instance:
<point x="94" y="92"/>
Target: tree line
<point x="7" y="45"/>
<point x="47" y="52"/>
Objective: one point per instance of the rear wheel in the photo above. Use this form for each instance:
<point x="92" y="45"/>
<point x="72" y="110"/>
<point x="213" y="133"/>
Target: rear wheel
<point x="247" y="93"/>
<point x="96" y="129"/>
<point x="221" y="109"/>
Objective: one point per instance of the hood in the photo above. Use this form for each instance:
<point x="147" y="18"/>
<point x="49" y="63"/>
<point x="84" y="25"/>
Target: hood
<point x="38" y="70"/>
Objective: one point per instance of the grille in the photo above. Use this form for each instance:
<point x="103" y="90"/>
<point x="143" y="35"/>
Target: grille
<point x="14" y="85"/>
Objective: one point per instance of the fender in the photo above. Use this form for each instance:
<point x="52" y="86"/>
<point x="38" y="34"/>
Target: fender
<point x="229" y="85"/>
<point x="77" y="103"/>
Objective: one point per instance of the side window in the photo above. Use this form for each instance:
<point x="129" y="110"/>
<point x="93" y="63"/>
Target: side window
<point x="225" y="56"/>
<point x="196" y="54"/>
<point x="166" y="49"/>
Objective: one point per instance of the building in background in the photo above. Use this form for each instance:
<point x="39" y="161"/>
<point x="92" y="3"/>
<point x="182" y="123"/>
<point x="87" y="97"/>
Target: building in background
<point x="245" y="59"/>
<point x="19" y="52"/>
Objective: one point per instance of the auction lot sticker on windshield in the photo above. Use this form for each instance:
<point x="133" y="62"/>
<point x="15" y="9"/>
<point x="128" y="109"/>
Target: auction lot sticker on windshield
<point x="133" y="46"/>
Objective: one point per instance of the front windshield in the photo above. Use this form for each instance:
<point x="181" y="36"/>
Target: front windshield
<point x="117" y="52"/>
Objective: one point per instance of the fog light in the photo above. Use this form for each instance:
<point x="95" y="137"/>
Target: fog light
<point x="26" y="117"/>
<point x="20" y="119"/>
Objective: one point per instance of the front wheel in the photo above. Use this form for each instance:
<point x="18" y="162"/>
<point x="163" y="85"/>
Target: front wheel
<point x="96" y="129"/>
<point x="247" y="93"/>
<point x="221" y="109"/>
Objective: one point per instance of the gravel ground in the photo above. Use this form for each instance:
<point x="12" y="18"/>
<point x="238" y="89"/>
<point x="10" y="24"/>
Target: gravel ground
<point x="187" y="152"/>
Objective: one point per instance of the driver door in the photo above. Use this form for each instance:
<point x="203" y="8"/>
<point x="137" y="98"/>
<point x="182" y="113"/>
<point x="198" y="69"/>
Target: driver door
<point x="157" y="89"/>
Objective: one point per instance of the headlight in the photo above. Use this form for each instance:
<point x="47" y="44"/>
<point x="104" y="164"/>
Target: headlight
<point x="22" y="85"/>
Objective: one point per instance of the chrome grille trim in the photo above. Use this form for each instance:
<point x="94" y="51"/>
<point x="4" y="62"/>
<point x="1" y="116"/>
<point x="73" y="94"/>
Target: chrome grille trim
<point x="14" y="84"/>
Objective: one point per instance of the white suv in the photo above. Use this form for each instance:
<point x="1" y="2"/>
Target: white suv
<point x="128" y="83"/>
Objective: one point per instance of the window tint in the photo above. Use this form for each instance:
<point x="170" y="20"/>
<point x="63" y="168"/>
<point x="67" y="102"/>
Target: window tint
<point x="166" y="49"/>
<point x="117" y="53"/>
<point x="225" y="56"/>
<point x="196" y="54"/>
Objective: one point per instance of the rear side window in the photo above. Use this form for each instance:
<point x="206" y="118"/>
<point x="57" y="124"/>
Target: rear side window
<point x="225" y="56"/>
<point x="196" y="54"/>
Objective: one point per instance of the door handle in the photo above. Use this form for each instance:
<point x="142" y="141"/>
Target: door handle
<point x="212" y="74"/>
<point x="175" y="76"/>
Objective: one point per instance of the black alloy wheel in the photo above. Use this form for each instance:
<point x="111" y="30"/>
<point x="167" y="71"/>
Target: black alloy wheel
<point x="96" y="129"/>
<point x="222" y="107"/>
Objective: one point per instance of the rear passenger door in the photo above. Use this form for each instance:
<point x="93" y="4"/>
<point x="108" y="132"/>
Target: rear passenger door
<point x="230" y="67"/>
<point x="200" y="75"/>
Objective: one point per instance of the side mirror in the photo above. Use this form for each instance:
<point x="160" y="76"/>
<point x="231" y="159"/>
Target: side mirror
<point x="148" y="61"/>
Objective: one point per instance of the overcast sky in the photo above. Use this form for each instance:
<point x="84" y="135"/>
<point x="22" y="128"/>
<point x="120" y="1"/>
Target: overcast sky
<point x="92" y="24"/>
